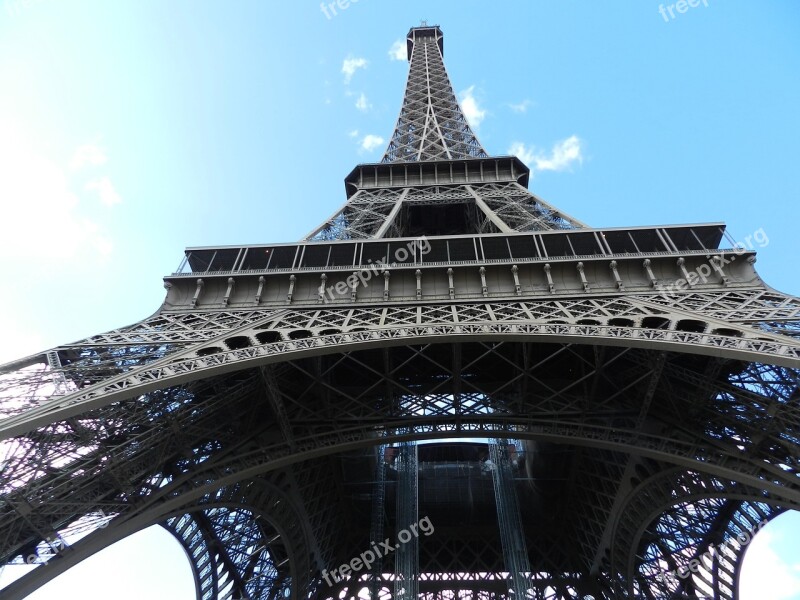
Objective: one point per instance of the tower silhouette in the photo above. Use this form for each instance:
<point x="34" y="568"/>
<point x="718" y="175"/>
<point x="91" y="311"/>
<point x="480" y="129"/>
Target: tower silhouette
<point x="449" y="389"/>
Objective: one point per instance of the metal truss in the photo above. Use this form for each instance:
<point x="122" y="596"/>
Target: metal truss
<point x="232" y="554"/>
<point x="638" y="321"/>
<point x="500" y="207"/>
<point x="431" y="125"/>
<point x="689" y="533"/>
<point x="362" y="216"/>
<point x="30" y="381"/>
<point x="378" y="517"/>
<point x="513" y="207"/>
<point x="406" y="569"/>
<point x="432" y="128"/>
<point x="491" y="380"/>
<point x="261" y="423"/>
<point x="515" y="552"/>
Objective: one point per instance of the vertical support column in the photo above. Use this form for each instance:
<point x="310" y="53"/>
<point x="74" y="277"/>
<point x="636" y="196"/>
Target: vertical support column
<point x="60" y="382"/>
<point x="406" y="562"/>
<point x="515" y="552"/>
<point x="376" y="528"/>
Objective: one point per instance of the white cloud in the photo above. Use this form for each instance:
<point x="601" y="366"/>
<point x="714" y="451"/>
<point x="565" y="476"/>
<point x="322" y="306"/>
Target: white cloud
<point x="519" y="150"/>
<point x="563" y="155"/>
<point x="351" y="65"/>
<point x="398" y="51"/>
<point x="520" y="107"/>
<point x="105" y="190"/>
<point x="353" y="134"/>
<point x="765" y="572"/>
<point x="88" y="154"/>
<point x="469" y="104"/>
<point x="370" y="142"/>
<point x="43" y="217"/>
<point x="362" y="103"/>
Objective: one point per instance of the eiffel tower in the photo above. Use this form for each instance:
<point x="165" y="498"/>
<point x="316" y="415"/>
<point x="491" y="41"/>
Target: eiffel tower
<point x="450" y="389"/>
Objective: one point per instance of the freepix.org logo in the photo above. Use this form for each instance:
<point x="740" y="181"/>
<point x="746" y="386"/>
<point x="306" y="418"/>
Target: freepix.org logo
<point x="412" y="250"/>
<point x="716" y="263"/>
<point x="680" y="7"/>
<point x="329" y="8"/>
<point x="705" y="560"/>
<point x="378" y="550"/>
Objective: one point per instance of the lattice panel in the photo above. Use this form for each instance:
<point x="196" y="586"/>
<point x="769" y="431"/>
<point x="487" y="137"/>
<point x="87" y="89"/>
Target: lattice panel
<point x="522" y="211"/>
<point x="361" y="217"/>
<point x="431" y="125"/>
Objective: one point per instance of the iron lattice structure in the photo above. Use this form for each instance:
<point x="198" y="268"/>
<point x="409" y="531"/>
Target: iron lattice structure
<point x="577" y="411"/>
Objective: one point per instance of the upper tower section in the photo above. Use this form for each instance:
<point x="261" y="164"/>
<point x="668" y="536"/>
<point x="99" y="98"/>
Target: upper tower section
<point x="435" y="178"/>
<point x="431" y="125"/>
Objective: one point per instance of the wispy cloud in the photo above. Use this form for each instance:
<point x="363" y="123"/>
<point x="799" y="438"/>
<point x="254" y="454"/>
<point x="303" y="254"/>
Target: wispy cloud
<point x="370" y="142"/>
<point x="520" y="107"/>
<point x="45" y="215"/>
<point x="362" y="103"/>
<point x="562" y="156"/>
<point x="46" y="209"/>
<point x="351" y="65"/>
<point x="353" y="134"/>
<point x="469" y="105"/>
<point x="522" y="152"/>
<point x="88" y="155"/>
<point x="105" y="191"/>
<point x="398" y="51"/>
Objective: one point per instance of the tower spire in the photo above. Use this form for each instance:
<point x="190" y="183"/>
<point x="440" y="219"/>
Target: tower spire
<point x="435" y="177"/>
<point x="431" y="125"/>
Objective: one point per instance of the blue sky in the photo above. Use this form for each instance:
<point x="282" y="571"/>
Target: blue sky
<point x="129" y="130"/>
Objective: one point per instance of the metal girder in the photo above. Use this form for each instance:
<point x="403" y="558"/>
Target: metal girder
<point x="674" y="518"/>
<point x="355" y="379"/>
<point x="431" y="125"/>
<point x="406" y="568"/>
<point x="381" y="212"/>
<point x="242" y="541"/>
<point x="294" y="333"/>
<point x="512" y="534"/>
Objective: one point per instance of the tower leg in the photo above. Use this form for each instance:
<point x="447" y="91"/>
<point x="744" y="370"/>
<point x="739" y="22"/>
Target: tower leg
<point x="376" y="529"/>
<point x="515" y="552"/>
<point x="406" y="586"/>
